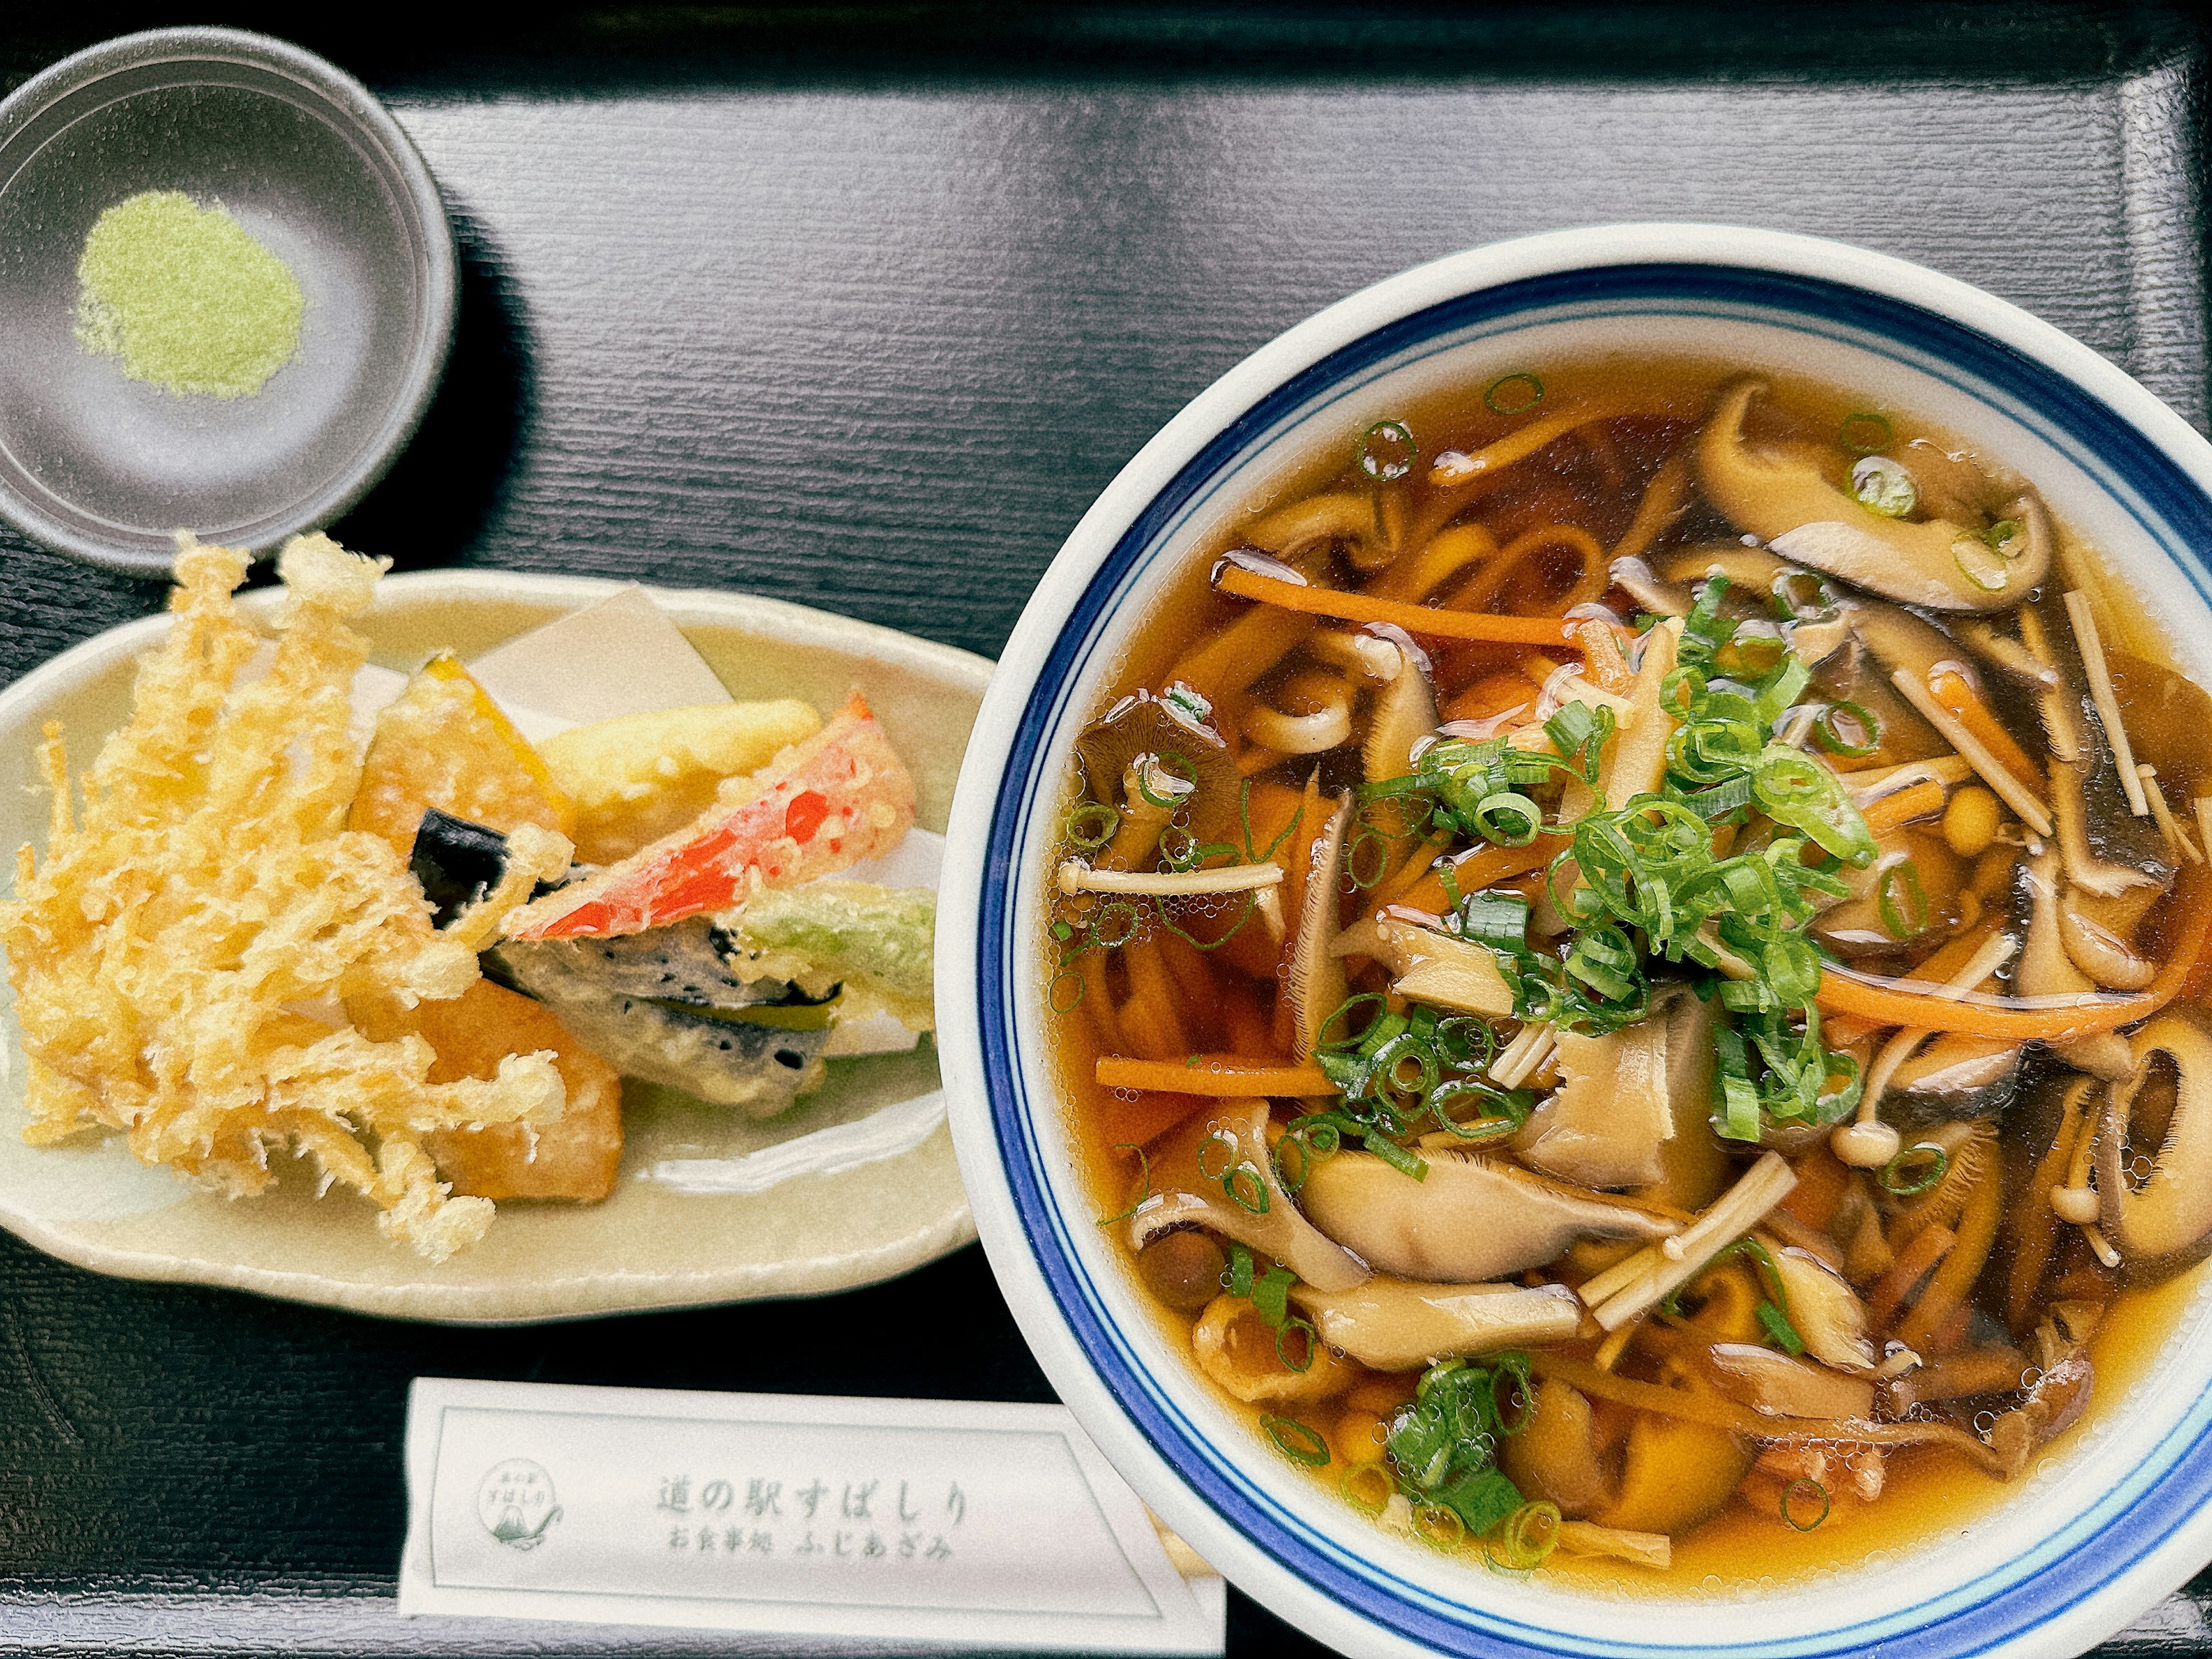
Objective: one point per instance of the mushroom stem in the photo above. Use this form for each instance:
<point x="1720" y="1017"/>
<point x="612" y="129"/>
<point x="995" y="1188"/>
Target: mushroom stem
<point x="1076" y="877"/>
<point x="1852" y="1142"/>
<point x="1660" y="1269"/>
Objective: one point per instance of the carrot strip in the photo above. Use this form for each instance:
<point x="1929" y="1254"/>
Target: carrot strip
<point x="1955" y="694"/>
<point x="1229" y="1076"/>
<point x="1608" y="668"/>
<point x="1994" y="1017"/>
<point x="1413" y="618"/>
<point x="1903" y="805"/>
<point x="1487" y="868"/>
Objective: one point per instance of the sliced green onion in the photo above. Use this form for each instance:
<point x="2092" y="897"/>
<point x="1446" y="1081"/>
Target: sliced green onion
<point x="1864" y="432"/>
<point x="2001" y="536"/>
<point x="1798" y="1498"/>
<point x="1066" y="991"/>
<point x="1295" y="1441"/>
<point x="1803" y="596"/>
<point x="1914" y="1169"/>
<point x="1499" y="920"/>
<point x="1227" y="1142"/>
<point x="1367" y="1487"/>
<point x="1439" y="1527"/>
<point x="1908" y="918"/>
<point x="1284" y="1332"/>
<point x="1981" y="564"/>
<point x="1247" y="1188"/>
<point x="1387" y="450"/>
<point x="1240" y="1270"/>
<point x="1883" y="486"/>
<point x="1507" y="819"/>
<point x="1093" y="825"/>
<point x="1779" y="1330"/>
<point x="1145" y="1186"/>
<point x="1832" y="738"/>
<point x="1513" y="394"/>
<point x="1271" y="1296"/>
<point x="1115" y="925"/>
<point x="1529" y="1534"/>
<point x="1397" y="1157"/>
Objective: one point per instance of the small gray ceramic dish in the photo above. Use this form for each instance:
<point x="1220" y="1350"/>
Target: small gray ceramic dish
<point x="108" y="468"/>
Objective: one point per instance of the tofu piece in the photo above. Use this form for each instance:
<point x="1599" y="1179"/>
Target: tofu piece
<point x="575" y="1157"/>
<point x="638" y="777"/>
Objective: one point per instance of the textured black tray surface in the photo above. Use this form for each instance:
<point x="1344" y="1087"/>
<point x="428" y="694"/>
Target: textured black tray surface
<point x="861" y="306"/>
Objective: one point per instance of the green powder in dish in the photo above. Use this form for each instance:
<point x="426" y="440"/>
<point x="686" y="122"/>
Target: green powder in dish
<point x="186" y="297"/>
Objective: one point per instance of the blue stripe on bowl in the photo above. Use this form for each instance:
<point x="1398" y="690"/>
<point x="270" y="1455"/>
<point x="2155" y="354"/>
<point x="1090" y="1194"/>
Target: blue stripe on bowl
<point x="2167" y="1488"/>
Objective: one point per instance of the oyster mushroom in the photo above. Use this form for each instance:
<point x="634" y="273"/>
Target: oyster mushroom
<point x="1826" y="1311"/>
<point x="1605" y="1124"/>
<point x="1783" y="496"/>
<point x="1143" y="729"/>
<point x="2162" y="1224"/>
<point x="1779" y="1386"/>
<point x="1467" y="1219"/>
<point x="2105" y="952"/>
<point x="1198" y="1178"/>
<point x="1955" y="1076"/>
<point x="2045" y="970"/>
<point x="1429" y="965"/>
<point x="1393" y="1325"/>
<point x="1315" y="981"/>
<point x="1404" y="712"/>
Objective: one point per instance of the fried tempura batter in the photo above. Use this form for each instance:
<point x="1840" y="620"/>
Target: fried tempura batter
<point x="166" y="951"/>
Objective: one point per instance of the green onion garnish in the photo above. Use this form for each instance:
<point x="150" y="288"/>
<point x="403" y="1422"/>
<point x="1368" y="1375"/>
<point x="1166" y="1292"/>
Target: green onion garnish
<point x="1864" y="432"/>
<point x="1529" y="1534"/>
<point x="1387" y="450"/>
<point x="1863" y="738"/>
<point x="1240" y="1271"/>
<point x="1114" y="924"/>
<point x="1513" y="394"/>
<point x="1914" y="1169"/>
<point x="1295" y="1441"/>
<point x="1901" y="902"/>
<point x="1367" y="1487"/>
<point x="1798" y="1498"/>
<point x="1091" y="826"/>
<point x="1882" y="486"/>
<point x="1247" y="1188"/>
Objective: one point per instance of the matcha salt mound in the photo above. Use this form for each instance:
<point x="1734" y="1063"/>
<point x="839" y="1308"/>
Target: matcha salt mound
<point x="185" y="297"/>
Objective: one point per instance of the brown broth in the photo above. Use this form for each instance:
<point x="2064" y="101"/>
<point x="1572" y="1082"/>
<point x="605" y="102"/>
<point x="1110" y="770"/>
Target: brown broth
<point x="1927" y="1491"/>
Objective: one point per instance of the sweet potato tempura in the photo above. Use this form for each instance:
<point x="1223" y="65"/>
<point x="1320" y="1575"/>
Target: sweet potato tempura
<point x="168" y="952"/>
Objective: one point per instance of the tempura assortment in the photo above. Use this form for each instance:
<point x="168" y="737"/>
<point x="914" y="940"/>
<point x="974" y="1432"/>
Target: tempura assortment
<point x="251" y="934"/>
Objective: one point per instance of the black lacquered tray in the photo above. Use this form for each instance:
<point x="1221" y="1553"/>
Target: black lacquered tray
<point x="861" y="307"/>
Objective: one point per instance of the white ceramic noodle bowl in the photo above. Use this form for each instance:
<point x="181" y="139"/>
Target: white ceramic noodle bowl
<point x="2117" y="1514"/>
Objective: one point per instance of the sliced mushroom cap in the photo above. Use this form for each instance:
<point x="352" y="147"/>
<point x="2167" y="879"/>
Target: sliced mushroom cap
<point x="1694" y="1167"/>
<point x="2162" y="1224"/>
<point x="1779" y="1386"/>
<point x="1190" y="1173"/>
<point x="1429" y="965"/>
<point x="1556" y="1456"/>
<point x="1605" y="1124"/>
<point x="1404" y="712"/>
<point x="2107" y="851"/>
<point x="1468" y="1219"/>
<point x="1783" y="496"/>
<point x="1392" y="1325"/>
<point x="1826" y="1311"/>
<point x="2105" y="953"/>
<point x="1316" y="981"/>
<point x="1142" y="724"/>
<point x="2045" y="970"/>
<point x="1955" y="1076"/>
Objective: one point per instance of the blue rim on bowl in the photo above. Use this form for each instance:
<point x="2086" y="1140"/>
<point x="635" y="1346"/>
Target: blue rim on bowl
<point x="2121" y="1517"/>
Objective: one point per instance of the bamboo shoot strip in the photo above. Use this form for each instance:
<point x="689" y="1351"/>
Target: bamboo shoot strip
<point x="2107" y="699"/>
<point x="1994" y="773"/>
<point x="1551" y="631"/>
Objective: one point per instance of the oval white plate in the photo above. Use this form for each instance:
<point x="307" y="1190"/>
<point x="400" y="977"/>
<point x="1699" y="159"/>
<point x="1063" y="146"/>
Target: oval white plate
<point x="648" y="1246"/>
